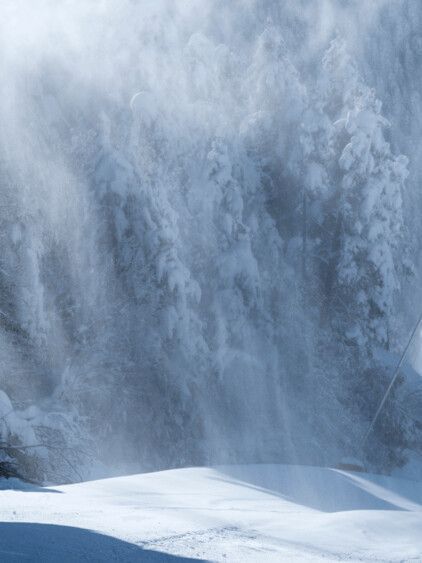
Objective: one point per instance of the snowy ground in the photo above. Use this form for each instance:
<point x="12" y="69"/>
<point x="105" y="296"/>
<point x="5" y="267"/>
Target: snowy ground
<point x="241" y="513"/>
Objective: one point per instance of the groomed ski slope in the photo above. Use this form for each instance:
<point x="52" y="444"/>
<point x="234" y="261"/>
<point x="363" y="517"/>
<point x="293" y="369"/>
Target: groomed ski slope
<point x="237" y="513"/>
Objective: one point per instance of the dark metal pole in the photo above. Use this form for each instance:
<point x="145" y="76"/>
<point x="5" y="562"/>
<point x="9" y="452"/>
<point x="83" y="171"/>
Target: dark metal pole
<point x="304" y="232"/>
<point x="392" y="382"/>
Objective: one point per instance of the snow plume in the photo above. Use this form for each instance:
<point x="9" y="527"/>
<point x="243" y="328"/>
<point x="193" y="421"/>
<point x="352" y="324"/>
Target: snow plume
<point x="189" y="273"/>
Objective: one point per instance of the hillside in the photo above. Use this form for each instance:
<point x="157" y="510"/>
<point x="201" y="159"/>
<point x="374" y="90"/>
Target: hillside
<point x="236" y="513"/>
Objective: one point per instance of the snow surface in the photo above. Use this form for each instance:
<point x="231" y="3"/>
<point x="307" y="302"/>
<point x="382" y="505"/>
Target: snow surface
<point x="235" y="513"/>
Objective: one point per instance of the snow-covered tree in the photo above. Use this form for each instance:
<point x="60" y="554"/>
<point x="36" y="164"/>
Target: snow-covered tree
<point x="373" y="254"/>
<point x="372" y="251"/>
<point x="274" y="81"/>
<point x="365" y="248"/>
<point x="236" y="273"/>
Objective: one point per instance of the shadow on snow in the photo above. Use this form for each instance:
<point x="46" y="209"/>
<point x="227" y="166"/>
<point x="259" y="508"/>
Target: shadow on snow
<point x="327" y="490"/>
<point x="49" y="543"/>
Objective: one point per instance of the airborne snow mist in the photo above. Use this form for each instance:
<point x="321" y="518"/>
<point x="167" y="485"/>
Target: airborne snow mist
<point x="209" y="220"/>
